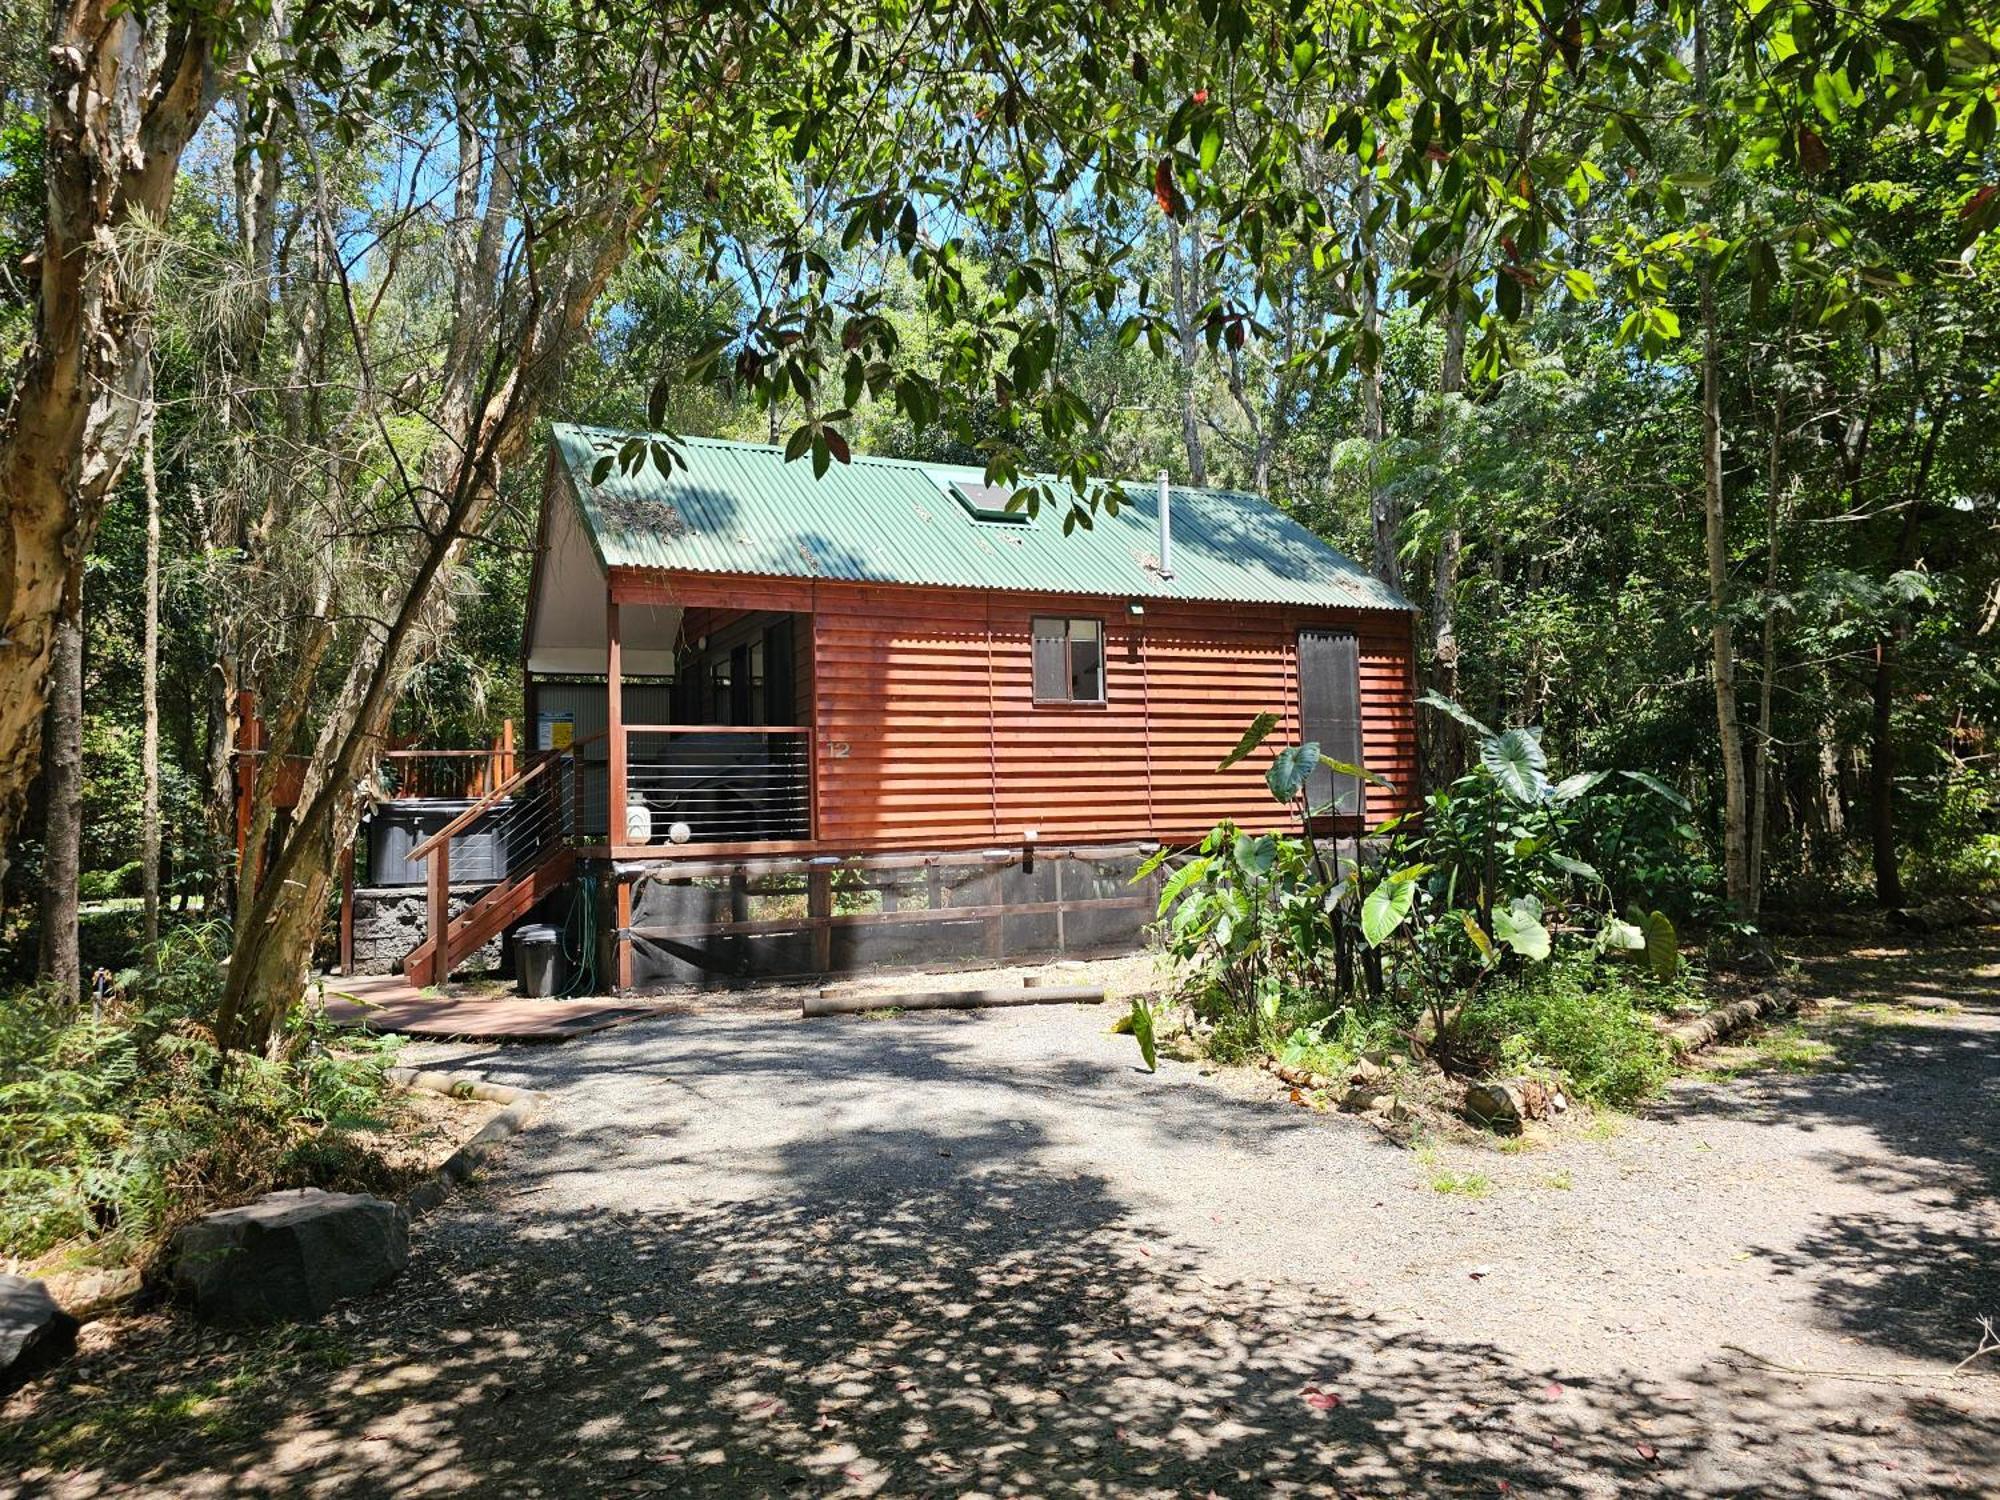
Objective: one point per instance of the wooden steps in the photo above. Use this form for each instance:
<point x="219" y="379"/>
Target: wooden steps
<point x="472" y="928"/>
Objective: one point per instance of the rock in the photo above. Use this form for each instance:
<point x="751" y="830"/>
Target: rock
<point x="34" y="1332"/>
<point x="290" y="1255"/>
<point x="1505" y="1104"/>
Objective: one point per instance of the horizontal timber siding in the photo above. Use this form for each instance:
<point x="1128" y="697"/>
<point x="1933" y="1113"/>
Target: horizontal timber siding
<point x="928" y="736"/>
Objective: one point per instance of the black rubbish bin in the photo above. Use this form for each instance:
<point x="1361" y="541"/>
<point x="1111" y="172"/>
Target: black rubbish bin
<point x="539" y="968"/>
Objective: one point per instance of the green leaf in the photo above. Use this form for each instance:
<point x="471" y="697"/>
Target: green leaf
<point x="1444" y="705"/>
<point x="1288" y="773"/>
<point x="1349" y="768"/>
<point x="1180" y="880"/>
<point x="1579" y="868"/>
<point x="1620" y="935"/>
<point x="1259" y="730"/>
<point x="1519" y="926"/>
<point x="1515" y="759"/>
<point x="1479" y="938"/>
<point x="1255" y="856"/>
<point x="1142" y="1031"/>
<point x="1387" y="908"/>
<point x="1658" y="788"/>
<point x="1663" y="946"/>
<point x="1572" y="787"/>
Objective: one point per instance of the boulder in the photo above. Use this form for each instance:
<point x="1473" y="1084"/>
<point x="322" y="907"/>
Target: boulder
<point x="34" y="1332"/>
<point x="288" y="1256"/>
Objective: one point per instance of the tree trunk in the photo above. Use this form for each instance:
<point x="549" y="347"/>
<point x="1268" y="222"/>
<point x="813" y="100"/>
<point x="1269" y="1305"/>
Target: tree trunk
<point x="1882" y="778"/>
<point x="1722" y="646"/>
<point x="125" y="95"/>
<point x="1186" y="288"/>
<point x="1882" y="753"/>
<point x="1444" y="745"/>
<point x="149" y="692"/>
<point x="506" y="339"/>
<point x="1385" y="521"/>
<point x="1768" y="664"/>
<point x="62" y="792"/>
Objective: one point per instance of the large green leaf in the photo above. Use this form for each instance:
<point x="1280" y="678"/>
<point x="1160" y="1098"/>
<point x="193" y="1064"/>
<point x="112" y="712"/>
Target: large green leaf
<point x="1663" y="946"/>
<point x="1519" y="926"/>
<point x="1387" y="908"/>
<point x="1658" y="788"/>
<point x="1288" y="773"/>
<point x="1621" y="935"/>
<point x="1515" y="758"/>
<point x="1581" y="869"/>
<point x="1181" y="879"/>
<point x="1259" y="730"/>
<point x="1142" y="1031"/>
<point x="1662" y="943"/>
<point x="1479" y="938"/>
<point x="1444" y="705"/>
<point x="1572" y="787"/>
<point x="1255" y="856"/>
<point x="1349" y="768"/>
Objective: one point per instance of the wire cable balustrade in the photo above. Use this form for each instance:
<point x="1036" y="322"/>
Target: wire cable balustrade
<point x="715" y="783"/>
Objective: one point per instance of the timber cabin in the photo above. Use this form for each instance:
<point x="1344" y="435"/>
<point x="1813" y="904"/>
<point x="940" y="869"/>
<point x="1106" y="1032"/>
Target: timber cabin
<point x="787" y="725"/>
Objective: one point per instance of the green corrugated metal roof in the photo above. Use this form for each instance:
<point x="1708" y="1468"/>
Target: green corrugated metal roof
<point x="740" y="508"/>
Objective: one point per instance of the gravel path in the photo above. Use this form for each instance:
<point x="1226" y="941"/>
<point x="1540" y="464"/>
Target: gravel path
<point x="946" y="1254"/>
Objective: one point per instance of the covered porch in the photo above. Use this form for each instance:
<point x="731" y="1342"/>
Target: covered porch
<point x="686" y="710"/>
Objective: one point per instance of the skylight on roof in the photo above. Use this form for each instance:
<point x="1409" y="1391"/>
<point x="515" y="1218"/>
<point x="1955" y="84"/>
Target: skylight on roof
<point x="987" y="502"/>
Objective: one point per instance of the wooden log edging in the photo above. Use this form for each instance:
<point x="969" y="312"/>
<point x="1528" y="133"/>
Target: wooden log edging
<point x="1705" y="1031"/>
<point x="857" y="1004"/>
<point x="521" y="1107"/>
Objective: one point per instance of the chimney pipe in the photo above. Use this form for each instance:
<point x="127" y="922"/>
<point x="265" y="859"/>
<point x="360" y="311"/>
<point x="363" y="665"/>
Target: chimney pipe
<point x="1166" y="529"/>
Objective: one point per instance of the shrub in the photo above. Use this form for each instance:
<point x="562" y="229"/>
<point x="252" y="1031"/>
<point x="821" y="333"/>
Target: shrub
<point x="117" y="1127"/>
<point x="1581" y="1019"/>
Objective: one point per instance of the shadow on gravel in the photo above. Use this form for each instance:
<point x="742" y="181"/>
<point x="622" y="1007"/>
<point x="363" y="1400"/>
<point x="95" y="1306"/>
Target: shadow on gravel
<point x="981" y="1327"/>
<point x="1925" y="1087"/>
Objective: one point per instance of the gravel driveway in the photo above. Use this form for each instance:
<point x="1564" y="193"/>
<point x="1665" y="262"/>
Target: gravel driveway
<point x="746" y="1254"/>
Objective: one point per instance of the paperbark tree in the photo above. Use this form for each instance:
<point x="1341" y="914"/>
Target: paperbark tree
<point x="149" y="695"/>
<point x="62" y="797"/>
<point x="128" y="86"/>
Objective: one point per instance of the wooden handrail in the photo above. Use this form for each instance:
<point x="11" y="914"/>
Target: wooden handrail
<point x="500" y="793"/>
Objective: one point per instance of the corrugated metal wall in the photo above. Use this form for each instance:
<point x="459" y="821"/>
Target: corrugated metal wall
<point x="929" y="736"/>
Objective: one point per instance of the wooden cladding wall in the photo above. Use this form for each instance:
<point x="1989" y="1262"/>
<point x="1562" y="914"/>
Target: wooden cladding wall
<point x="929" y="736"/>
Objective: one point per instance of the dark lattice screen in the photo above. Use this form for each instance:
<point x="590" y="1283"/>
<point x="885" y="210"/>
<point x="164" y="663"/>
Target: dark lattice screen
<point x="1330" y="712"/>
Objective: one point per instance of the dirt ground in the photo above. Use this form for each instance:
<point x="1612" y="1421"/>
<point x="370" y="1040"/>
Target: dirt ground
<point x="745" y="1254"/>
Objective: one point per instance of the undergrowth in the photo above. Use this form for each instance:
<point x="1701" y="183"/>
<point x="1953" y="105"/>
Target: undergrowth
<point x="1588" y="1023"/>
<point x="119" y="1125"/>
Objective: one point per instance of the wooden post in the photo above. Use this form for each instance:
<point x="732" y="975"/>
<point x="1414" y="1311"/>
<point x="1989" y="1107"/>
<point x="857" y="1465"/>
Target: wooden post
<point x="623" y="937"/>
<point x="1061" y="944"/>
<point x="506" y="771"/>
<point x="614" y="723"/>
<point x="347" y="912"/>
<point x="996" y="924"/>
<point x="819" y="907"/>
<point x="438" y="912"/>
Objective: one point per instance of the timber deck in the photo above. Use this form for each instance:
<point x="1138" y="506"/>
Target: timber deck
<point x="388" y="1003"/>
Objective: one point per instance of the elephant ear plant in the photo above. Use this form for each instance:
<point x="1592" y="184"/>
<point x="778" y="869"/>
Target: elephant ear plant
<point x="1253" y="919"/>
<point x="1483" y="879"/>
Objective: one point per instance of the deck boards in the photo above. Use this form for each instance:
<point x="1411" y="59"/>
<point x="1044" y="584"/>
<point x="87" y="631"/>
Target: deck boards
<point x="388" y="1003"/>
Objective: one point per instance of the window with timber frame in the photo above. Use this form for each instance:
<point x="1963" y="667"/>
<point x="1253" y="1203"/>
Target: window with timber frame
<point x="1069" y="659"/>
